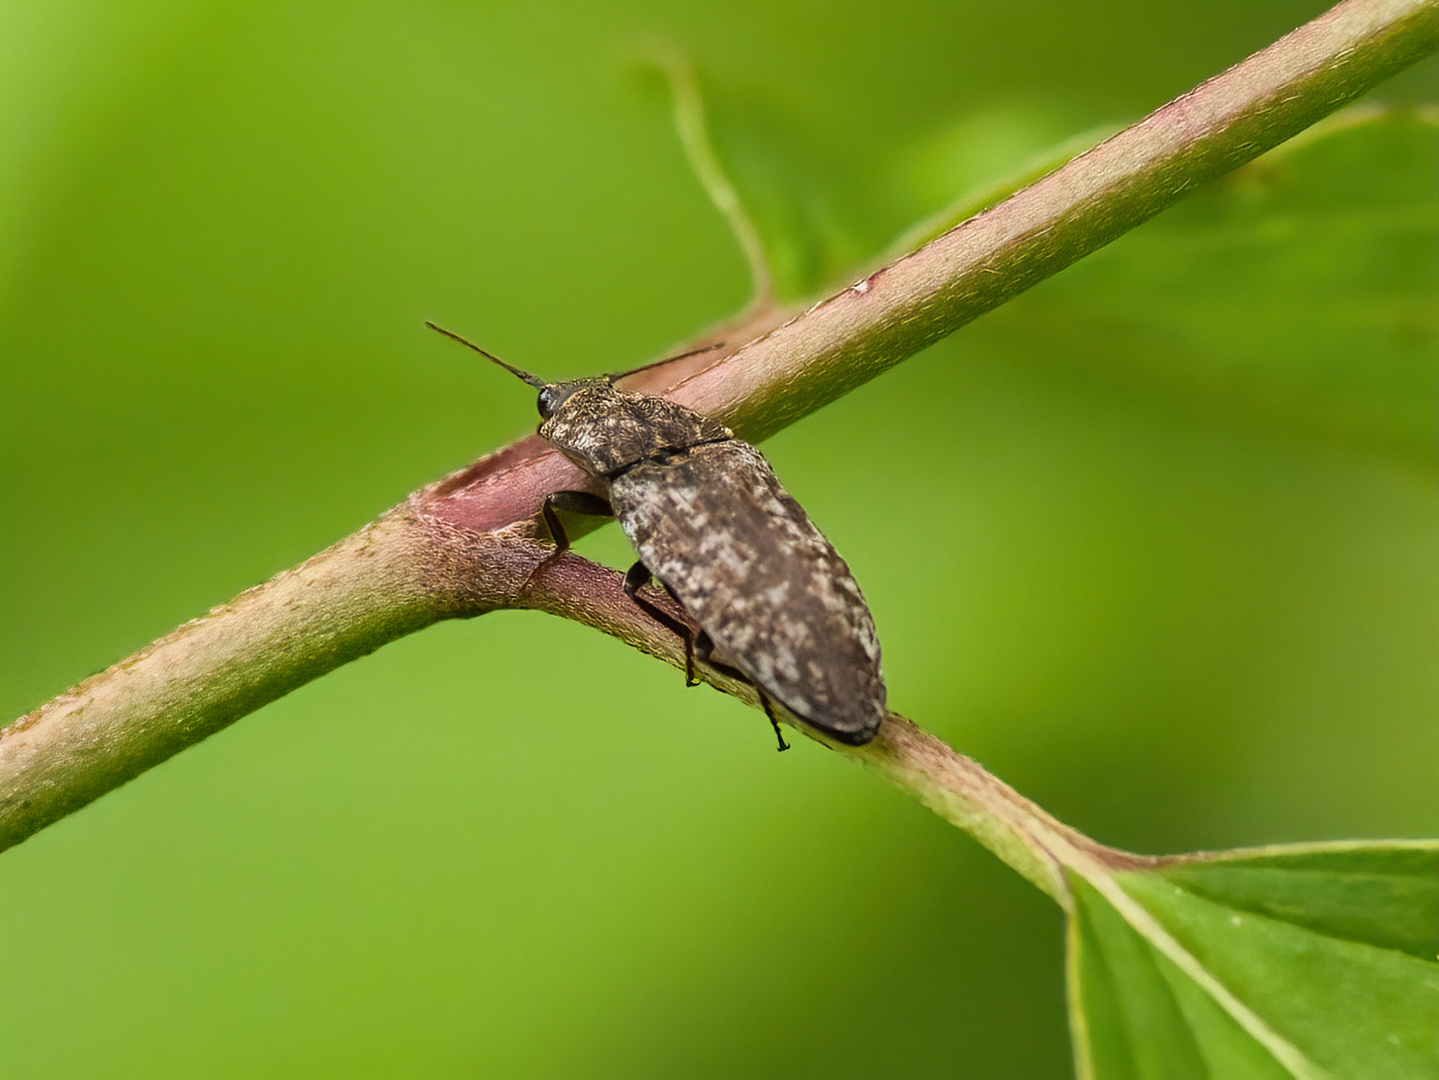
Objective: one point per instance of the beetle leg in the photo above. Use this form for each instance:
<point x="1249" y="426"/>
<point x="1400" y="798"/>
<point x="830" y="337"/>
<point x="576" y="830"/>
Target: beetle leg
<point x="636" y="578"/>
<point x="697" y="646"/>
<point x="572" y="502"/>
<point x="704" y="646"/>
<point x="768" y="711"/>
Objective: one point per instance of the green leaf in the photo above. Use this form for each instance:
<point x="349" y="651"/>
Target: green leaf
<point x="1302" y="962"/>
<point x="1298" y="291"/>
<point x="1386" y="897"/>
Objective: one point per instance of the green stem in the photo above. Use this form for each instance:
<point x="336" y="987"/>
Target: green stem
<point x="341" y="604"/>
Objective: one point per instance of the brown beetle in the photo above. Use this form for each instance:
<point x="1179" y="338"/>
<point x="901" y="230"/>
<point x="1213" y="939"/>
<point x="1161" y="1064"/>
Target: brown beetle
<point x="712" y="524"/>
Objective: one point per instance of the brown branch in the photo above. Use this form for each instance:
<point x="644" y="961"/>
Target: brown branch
<point x="462" y="546"/>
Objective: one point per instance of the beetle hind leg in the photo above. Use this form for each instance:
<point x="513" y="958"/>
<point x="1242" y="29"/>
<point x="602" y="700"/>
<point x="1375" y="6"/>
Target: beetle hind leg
<point x="769" y="711"/>
<point x="636" y="578"/>
<point x="704" y="645"/>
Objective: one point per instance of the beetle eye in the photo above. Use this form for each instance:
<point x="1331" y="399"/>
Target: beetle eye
<point x="546" y="403"/>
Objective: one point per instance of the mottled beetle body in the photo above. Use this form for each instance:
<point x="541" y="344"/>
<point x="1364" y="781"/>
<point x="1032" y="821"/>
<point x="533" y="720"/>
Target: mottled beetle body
<point x="713" y="525"/>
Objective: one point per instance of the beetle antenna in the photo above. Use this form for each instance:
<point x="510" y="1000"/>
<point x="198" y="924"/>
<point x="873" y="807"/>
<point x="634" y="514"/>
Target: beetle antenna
<point x="666" y="360"/>
<point x="534" y="380"/>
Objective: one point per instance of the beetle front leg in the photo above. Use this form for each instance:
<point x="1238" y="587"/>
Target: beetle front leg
<point x="572" y="502"/>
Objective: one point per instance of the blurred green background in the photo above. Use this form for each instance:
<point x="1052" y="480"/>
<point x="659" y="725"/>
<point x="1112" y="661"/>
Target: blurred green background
<point x="1155" y="542"/>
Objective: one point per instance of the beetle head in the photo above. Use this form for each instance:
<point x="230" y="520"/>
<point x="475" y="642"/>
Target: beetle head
<point x="602" y="428"/>
<point x="554" y="395"/>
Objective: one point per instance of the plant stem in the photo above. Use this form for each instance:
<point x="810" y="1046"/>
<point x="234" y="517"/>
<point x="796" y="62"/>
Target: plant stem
<point x="339" y="605"/>
<point x="463" y="546"/>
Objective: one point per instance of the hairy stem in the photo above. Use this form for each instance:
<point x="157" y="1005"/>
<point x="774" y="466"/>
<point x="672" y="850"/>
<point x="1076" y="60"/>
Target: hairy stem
<point x="463" y="546"/>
